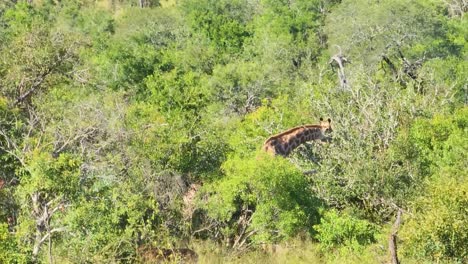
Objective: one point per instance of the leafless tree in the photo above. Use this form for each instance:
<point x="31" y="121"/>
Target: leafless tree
<point x="43" y="211"/>
<point x="339" y="60"/>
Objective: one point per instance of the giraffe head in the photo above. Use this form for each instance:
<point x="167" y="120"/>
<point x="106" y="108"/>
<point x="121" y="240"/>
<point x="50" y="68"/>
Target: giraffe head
<point x="326" y="128"/>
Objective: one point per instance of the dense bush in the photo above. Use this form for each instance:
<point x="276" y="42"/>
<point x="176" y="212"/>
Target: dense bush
<point x="261" y="199"/>
<point x="339" y="229"/>
<point x="437" y="228"/>
<point x="138" y="123"/>
<point x="9" y="249"/>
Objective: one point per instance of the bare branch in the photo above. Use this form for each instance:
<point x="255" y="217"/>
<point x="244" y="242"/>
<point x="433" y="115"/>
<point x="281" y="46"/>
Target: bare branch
<point x="36" y="84"/>
<point x="55" y="230"/>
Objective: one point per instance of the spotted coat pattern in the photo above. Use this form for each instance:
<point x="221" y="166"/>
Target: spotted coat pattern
<point x="284" y="143"/>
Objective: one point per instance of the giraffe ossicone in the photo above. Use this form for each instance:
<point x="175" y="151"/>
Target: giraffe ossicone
<point x="285" y="142"/>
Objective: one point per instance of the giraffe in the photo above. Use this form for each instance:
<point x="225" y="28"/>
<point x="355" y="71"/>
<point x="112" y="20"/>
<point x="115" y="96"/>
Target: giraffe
<point x="285" y="142"/>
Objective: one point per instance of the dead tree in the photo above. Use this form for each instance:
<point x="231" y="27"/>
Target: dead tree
<point x="340" y="60"/>
<point x="407" y="69"/>
<point x="42" y="213"/>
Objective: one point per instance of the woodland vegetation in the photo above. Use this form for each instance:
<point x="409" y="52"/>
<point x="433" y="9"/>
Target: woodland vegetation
<point x="138" y="124"/>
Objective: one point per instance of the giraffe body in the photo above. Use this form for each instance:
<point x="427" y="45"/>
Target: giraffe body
<point x="284" y="143"/>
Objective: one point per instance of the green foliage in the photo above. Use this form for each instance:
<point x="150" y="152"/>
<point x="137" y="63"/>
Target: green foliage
<point x="113" y="224"/>
<point x="9" y="250"/>
<point x="239" y="86"/>
<point x="288" y="32"/>
<point x="58" y="176"/>
<point x="369" y="30"/>
<point x="266" y="197"/>
<point x="112" y="115"/>
<point x="176" y="92"/>
<point x="442" y="73"/>
<point x="432" y="145"/>
<point x="437" y="229"/>
<point x="340" y="229"/>
<point x="95" y="23"/>
<point x="20" y="18"/>
<point x="224" y="23"/>
<point x="36" y="56"/>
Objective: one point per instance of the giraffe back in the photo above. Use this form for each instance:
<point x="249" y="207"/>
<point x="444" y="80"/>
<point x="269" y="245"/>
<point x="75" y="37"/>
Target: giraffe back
<point x="285" y="142"/>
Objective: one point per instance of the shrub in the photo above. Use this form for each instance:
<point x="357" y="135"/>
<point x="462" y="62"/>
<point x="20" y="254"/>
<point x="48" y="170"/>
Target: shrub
<point x="438" y="227"/>
<point x="9" y="251"/>
<point x="340" y="229"/>
<point x="266" y="197"/>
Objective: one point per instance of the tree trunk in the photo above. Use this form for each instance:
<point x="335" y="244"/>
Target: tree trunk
<point x="392" y="241"/>
<point x="51" y="260"/>
<point x="37" y="245"/>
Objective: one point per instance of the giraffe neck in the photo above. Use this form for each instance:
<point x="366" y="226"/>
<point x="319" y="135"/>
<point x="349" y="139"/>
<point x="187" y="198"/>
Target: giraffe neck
<point x="286" y="142"/>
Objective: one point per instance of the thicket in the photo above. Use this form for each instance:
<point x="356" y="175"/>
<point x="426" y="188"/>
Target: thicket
<point x="132" y="123"/>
